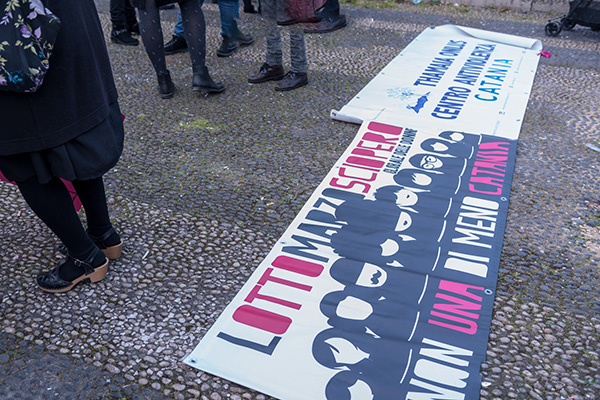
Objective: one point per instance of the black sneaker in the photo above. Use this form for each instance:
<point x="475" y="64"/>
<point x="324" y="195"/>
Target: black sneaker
<point x="122" y="36"/>
<point x="176" y="45"/>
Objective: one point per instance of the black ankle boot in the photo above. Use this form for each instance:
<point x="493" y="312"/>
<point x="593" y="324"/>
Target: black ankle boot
<point x="123" y="36"/>
<point x="202" y="82"/>
<point x="228" y="47"/>
<point x="166" y="88"/>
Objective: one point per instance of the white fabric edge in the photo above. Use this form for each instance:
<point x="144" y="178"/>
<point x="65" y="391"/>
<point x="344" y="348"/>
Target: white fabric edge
<point x="336" y="115"/>
<point x="497" y="37"/>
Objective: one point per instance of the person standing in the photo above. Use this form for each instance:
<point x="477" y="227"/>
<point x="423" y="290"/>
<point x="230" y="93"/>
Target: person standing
<point x="272" y="69"/>
<point x="231" y="33"/>
<point x="124" y="23"/>
<point x="229" y="11"/>
<point x="195" y="34"/>
<point x="78" y="138"/>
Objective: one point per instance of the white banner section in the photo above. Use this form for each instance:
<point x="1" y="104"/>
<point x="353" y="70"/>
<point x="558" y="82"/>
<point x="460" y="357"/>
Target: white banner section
<point x="383" y="286"/>
<point x="453" y="77"/>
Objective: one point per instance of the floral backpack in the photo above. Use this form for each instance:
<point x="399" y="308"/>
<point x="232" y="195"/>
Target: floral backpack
<point x="27" y="34"/>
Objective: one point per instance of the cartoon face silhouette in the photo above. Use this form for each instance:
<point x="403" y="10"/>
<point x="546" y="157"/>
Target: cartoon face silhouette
<point x="358" y="273"/>
<point x="345" y="352"/>
<point x="406" y="197"/>
<point x="435" y="146"/>
<point x="447" y="148"/>
<point x="348" y="385"/>
<point x="334" y="349"/>
<point x="354" y="308"/>
<point x="451" y="166"/>
<point x="452" y="135"/>
<point x="430" y="162"/>
<point x="371" y="276"/>
<point x="461" y="137"/>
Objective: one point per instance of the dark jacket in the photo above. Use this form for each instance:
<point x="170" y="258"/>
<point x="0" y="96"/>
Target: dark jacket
<point x="76" y="92"/>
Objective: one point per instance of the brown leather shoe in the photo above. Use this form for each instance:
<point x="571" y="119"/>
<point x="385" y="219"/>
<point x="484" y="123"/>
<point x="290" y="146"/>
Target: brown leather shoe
<point x="328" y="25"/>
<point x="267" y="73"/>
<point x="291" y="81"/>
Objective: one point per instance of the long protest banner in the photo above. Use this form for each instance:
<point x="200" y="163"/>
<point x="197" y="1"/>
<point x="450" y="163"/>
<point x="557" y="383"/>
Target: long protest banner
<point x="383" y="285"/>
<point x="457" y="77"/>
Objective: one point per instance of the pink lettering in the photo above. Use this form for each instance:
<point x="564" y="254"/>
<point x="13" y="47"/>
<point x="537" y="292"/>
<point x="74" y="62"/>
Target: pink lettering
<point x="470" y="327"/>
<point x="385" y="128"/>
<point x="265" y="320"/>
<point x="301" y="267"/>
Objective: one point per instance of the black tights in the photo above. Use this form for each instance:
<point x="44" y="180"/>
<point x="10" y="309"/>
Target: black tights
<point x="194" y="28"/>
<point x="53" y="204"/>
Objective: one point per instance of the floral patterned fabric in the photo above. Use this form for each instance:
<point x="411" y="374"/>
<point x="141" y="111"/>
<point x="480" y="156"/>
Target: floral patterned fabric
<point x="27" y="34"/>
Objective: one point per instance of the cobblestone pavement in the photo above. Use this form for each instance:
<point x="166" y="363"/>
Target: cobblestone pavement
<point x="206" y="185"/>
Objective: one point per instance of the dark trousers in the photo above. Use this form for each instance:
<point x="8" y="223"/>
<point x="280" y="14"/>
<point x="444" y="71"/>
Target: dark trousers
<point x="122" y="14"/>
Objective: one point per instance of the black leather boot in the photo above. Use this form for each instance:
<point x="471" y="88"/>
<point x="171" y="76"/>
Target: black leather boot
<point x="123" y="36"/>
<point x="202" y="82"/>
<point x="166" y="88"/>
<point x="228" y="47"/>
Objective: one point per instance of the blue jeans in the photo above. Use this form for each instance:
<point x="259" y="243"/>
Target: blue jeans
<point x="229" y="11"/>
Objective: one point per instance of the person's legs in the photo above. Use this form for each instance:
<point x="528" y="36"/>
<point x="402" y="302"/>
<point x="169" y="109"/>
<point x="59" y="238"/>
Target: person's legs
<point x="93" y="198"/>
<point x="272" y="69"/>
<point x="297" y="50"/>
<point x="120" y="33"/>
<point x="229" y="13"/>
<point x="178" y="30"/>
<point x="297" y="75"/>
<point x="151" y="33"/>
<point x="52" y="203"/>
<point x="249" y="7"/>
<point x="152" y="37"/>
<point x="177" y="44"/>
<point x="194" y="28"/>
<point x="274" y="54"/>
<point x="131" y="18"/>
<point x="100" y="230"/>
<point x="117" y="14"/>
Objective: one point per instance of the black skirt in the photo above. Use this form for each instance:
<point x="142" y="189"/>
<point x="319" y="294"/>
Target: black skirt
<point x="87" y="156"/>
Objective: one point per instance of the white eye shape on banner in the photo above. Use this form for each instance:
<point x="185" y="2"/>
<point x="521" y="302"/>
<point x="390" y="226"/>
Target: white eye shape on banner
<point x="345" y="352"/>
<point x="360" y="390"/>
<point x="440" y="147"/>
<point x="389" y="248"/>
<point x="354" y="308"/>
<point x="371" y="276"/>
<point x="404" y="221"/>
<point x="421" y="179"/>
<point x="406" y="198"/>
